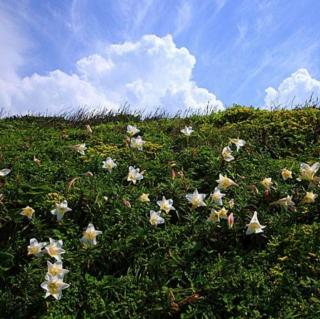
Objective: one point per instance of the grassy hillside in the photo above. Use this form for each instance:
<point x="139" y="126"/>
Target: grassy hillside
<point x="187" y="267"/>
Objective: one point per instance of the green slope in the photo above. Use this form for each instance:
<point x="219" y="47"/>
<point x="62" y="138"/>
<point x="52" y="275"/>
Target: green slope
<point x="186" y="268"/>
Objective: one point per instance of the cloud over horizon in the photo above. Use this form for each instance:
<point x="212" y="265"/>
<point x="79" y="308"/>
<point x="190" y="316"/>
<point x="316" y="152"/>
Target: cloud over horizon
<point x="148" y="73"/>
<point x="294" y="90"/>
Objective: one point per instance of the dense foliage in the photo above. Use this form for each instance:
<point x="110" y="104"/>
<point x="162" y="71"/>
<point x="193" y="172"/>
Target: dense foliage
<point x="186" y="267"/>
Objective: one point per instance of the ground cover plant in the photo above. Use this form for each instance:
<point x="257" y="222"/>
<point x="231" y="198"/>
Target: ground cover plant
<point x="191" y="260"/>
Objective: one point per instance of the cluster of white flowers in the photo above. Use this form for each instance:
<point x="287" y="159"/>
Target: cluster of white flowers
<point x="227" y="151"/>
<point x="54" y="278"/>
<point x="197" y="200"/>
<point x="54" y="283"/>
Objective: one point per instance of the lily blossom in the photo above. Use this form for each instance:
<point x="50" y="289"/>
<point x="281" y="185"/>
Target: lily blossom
<point x="196" y="199"/>
<point x="61" y="209"/>
<point x="35" y="248"/>
<point x="216" y="215"/>
<point x="134" y="175"/>
<point x="109" y="164"/>
<point x="90" y="235"/>
<point x="56" y="269"/>
<point x="54" y="249"/>
<point x="217" y="196"/>
<point x="165" y="204"/>
<point x="80" y="148"/>
<point x="54" y="286"/>
<point x="254" y="227"/>
<point x="155" y="218"/>
<point x="137" y="143"/>
<point x="308" y="172"/>
<point x="237" y="142"/>
<point x="132" y="130"/>
<point x="5" y="172"/>
<point x="28" y="212"/>
<point x="227" y="154"/>
<point x="89" y="129"/>
<point x="285" y="202"/>
<point x="286" y="174"/>
<point x="309" y="198"/>
<point x="231" y="203"/>
<point x="144" y="198"/>
<point x="267" y="183"/>
<point x="225" y="182"/>
<point x="187" y="130"/>
<point x="37" y="161"/>
<point x="88" y="174"/>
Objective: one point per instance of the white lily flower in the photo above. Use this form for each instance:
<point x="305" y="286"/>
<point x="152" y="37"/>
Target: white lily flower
<point x="196" y="199"/>
<point x="137" y="143"/>
<point x="132" y="130"/>
<point x="61" y="209"/>
<point x="109" y="164"/>
<point x="80" y="148"/>
<point x="216" y="215"/>
<point x="166" y="204"/>
<point x="286" y="174"/>
<point x="28" y="212"/>
<point x="217" y="196"/>
<point x="155" y="218"/>
<point x="237" y="142"/>
<point x="254" y="227"/>
<point x="231" y="203"/>
<point x="187" y="130"/>
<point x="308" y="172"/>
<point x="89" y="129"/>
<point x="267" y="183"/>
<point x="213" y="217"/>
<point x="5" y="172"/>
<point x="309" y="198"/>
<point x="285" y="202"/>
<point x="144" y="198"/>
<point x="134" y="175"/>
<point x="54" y="286"/>
<point x="35" y="248"/>
<point x="56" y="269"/>
<point x="225" y="182"/>
<point x="90" y="235"/>
<point x="227" y="154"/>
<point x="54" y="249"/>
<point x="37" y="161"/>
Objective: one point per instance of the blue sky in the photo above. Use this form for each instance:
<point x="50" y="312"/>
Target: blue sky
<point x="236" y="49"/>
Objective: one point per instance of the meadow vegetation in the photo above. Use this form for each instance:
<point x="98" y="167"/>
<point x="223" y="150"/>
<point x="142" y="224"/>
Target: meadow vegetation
<point x="186" y="267"/>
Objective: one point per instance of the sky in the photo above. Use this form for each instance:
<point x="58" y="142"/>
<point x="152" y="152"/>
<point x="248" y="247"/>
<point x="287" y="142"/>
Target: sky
<point x="60" y="55"/>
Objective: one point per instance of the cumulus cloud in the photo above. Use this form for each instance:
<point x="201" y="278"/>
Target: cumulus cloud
<point x="294" y="90"/>
<point x="151" y="72"/>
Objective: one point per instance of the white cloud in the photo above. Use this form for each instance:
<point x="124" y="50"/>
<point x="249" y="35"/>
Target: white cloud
<point x="54" y="93"/>
<point x="294" y="90"/>
<point x="151" y="72"/>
